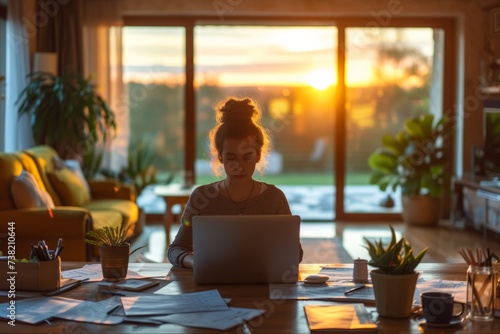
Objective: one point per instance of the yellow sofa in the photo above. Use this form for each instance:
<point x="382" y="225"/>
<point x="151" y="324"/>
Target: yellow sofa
<point x="103" y="203"/>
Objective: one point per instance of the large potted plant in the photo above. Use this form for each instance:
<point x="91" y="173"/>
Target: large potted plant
<point x="66" y="112"/>
<point x="114" y="250"/>
<point x="416" y="160"/>
<point x="395" y="279"/>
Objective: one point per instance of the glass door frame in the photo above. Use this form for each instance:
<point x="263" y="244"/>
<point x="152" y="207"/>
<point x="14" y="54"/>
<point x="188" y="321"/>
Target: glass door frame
<point x="448" y="101"/>
<point x="341" y="23"/>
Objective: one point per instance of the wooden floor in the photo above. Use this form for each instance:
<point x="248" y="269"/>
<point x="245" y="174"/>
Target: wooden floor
<point x="443" y="241"/>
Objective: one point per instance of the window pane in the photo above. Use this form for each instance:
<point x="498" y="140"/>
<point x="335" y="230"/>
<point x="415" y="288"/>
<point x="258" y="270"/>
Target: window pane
<point x="391" y="74"/>
<point x="290" y="72"/>
<point x="154" y="75"/>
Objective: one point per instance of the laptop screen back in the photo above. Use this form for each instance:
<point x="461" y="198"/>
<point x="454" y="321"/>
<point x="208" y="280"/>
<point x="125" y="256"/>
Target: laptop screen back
<point x="246" y="249"/>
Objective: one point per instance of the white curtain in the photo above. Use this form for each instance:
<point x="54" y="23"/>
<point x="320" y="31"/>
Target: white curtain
<point x="17" y="131"/>
<point x="102" y="40"/>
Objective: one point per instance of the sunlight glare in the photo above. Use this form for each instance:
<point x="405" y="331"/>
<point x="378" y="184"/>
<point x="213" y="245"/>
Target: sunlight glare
<point x="320" y="78"/>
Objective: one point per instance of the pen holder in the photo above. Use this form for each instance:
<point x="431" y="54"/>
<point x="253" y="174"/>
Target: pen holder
<point x="481" y="293"/>
<point x="31" y="276"/>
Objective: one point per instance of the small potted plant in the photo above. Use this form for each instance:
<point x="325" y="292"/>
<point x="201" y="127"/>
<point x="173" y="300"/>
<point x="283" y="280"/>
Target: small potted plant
<point x="114" y="250"/>
<point x="395" y="279"/>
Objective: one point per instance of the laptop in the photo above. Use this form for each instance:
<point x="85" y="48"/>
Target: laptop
<point x="246" y="249"/>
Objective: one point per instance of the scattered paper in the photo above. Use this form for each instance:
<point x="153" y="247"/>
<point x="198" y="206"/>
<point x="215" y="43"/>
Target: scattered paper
<point x="337" y="274"/>
<point x="91" y="272"/>
<point x="150" y="269"/>
<point x="220" y="320"/>
<point x="94" y="312"/>
<point x="37" y="309"/>
<point x="135" y="270"/>
<point x="155" y="304"/>
<point x="458" y="288"/>
<point x="328" y="291"/>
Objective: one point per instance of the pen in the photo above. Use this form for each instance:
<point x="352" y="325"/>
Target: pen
<point x="356" y="288"/>
<point x="112" y="293"/>
<point x="114" y="309"/>
<point x="66" y="288"/>
<point x="244" y="327"/>
<point x="59" y="243"/>
<point x="44" y="249"/>
<point x="58" y="252"/>
<point x="40" y="253"/>
<point x="58" y="248"/>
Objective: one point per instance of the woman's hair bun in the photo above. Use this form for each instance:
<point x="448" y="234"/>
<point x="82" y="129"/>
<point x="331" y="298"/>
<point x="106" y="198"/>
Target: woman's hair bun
<point x="238" y="110"/>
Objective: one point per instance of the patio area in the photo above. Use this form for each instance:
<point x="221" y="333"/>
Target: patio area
<point x="311" y="203"/>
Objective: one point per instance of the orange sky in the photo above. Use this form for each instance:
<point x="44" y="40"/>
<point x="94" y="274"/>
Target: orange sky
<point x="245" y="55"/>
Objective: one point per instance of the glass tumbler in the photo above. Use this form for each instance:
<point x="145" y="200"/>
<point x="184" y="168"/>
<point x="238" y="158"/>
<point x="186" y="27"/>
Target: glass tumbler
<point x="481" y="293"/>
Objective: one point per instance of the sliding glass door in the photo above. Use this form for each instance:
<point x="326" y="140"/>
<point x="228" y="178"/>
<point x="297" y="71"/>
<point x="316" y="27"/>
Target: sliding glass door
<point x="328" y="92"/>
<point x="391" y="74"/>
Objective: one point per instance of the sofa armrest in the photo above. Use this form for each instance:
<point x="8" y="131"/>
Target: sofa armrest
<point x="111" y="189"/>
<point x="28" y="226"/>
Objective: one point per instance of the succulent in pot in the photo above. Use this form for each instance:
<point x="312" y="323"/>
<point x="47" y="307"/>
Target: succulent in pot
<point x="396" y="258"/>
<point x="395" y="279"/>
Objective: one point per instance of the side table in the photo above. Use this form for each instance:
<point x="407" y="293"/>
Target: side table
<point x="485" y="188"/>
<point x="490" y="192"/>
<point x="172" y="194"/>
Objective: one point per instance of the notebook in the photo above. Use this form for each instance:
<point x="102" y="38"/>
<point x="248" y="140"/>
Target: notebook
<point x="341" y="318"/>
<point x="246" y="249"/>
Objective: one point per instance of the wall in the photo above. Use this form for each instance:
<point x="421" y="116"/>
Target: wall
<point x="3" y="55"/>
<point x="471" y="37"/>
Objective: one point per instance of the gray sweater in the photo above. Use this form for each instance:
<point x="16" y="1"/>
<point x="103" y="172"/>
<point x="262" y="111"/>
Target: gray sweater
<point x="207" y="200"/>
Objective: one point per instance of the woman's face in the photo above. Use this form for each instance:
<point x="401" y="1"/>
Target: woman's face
<point x="239" y="157"/>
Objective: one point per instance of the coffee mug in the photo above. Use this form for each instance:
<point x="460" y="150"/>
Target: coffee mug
<point x="437" y="307"/>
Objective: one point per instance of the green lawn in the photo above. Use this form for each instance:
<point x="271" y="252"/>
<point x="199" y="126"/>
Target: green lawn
<point x="292" y="179"/>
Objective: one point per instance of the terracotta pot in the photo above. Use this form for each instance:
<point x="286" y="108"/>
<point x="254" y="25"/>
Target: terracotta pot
<point x="421" y="210"/>
<point x="114" y="262"/>
<point x="393" y="293"/>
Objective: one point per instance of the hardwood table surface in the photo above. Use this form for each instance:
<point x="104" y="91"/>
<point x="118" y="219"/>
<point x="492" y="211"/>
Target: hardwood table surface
<point x="281" y="316"/>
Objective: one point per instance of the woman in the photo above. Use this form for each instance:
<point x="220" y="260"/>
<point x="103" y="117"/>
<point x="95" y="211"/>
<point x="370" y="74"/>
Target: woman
<point x="237" y="143"/>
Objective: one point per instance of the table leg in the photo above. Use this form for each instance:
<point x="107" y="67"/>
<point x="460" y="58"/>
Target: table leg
<point x="486" y="218"/>
<point x="457" y="216"/>
<point x="167" y="222"/>
<point x="172" y="200"/>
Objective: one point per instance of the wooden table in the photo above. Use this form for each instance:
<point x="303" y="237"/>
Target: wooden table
<point x="282" y="316"/>
<point x="172" y="194"/>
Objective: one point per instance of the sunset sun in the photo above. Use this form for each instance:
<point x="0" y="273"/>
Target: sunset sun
<point x="320" y="78"/>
